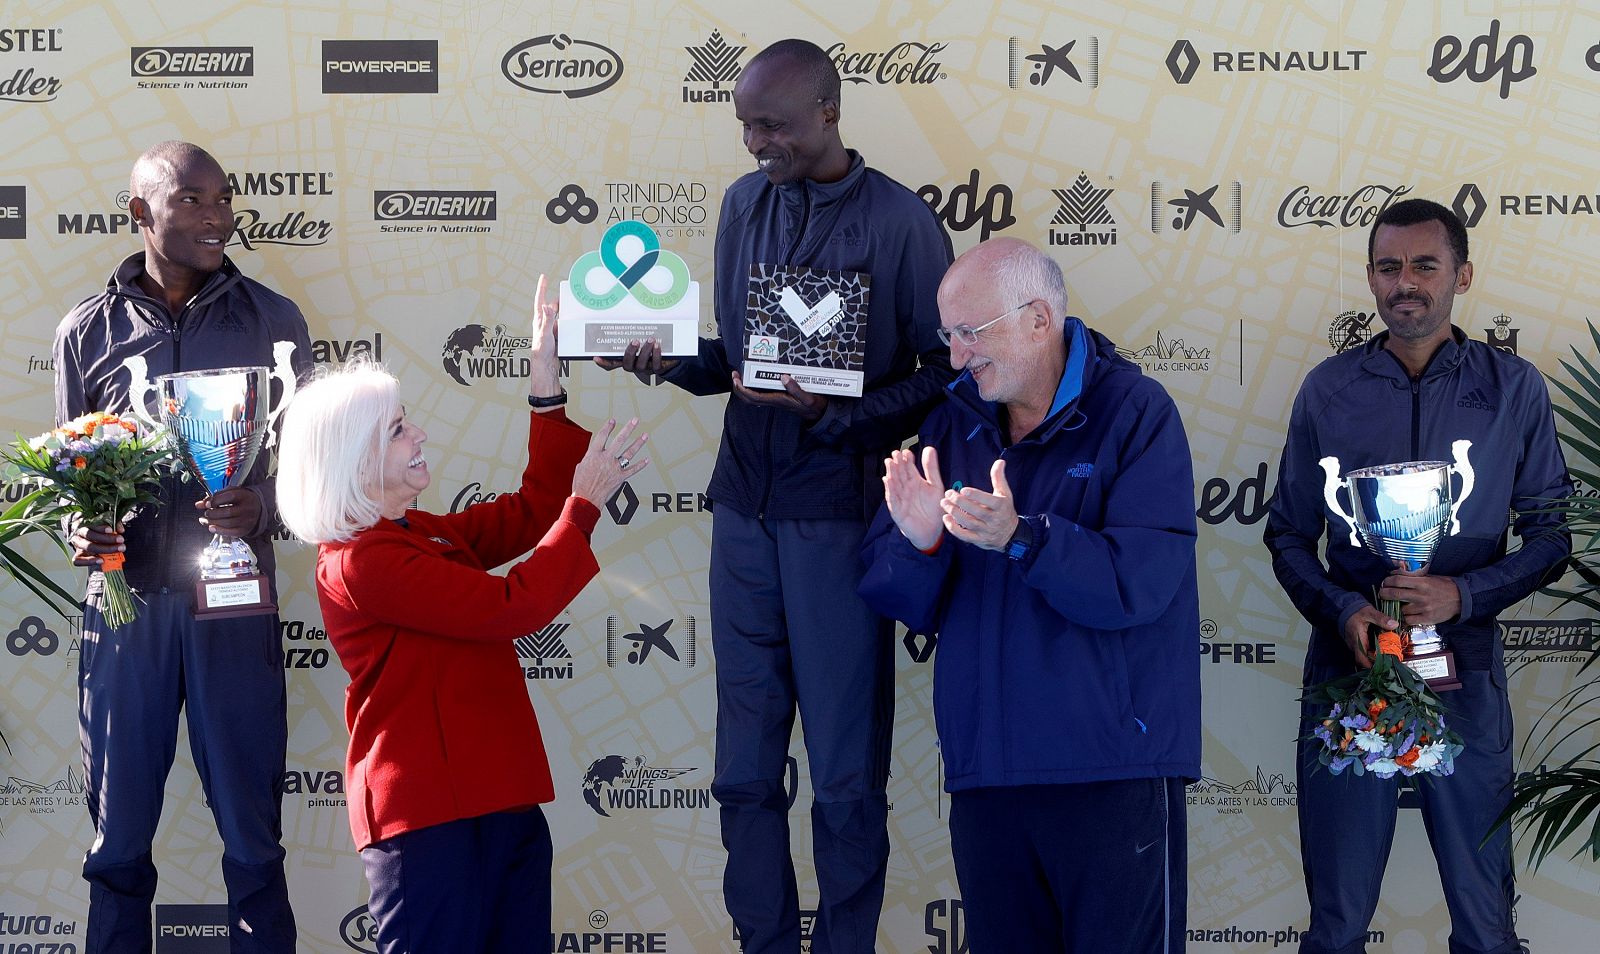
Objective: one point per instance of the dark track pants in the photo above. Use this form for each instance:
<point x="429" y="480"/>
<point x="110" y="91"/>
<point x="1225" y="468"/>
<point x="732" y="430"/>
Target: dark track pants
<point x="1088" y="868"/>
<point x="1347" y="826"/>
<point x="790" y="631"/>
<point x="228" y="676"/>
<point x="472" y="886"/>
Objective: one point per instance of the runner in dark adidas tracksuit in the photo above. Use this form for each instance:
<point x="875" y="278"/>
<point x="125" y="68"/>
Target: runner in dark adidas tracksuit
<point x="228" y="673"/>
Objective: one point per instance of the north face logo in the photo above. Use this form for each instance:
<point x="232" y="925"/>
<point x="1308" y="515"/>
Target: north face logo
<point x="1083" y="470"/>
<point x="1477" y="401"/>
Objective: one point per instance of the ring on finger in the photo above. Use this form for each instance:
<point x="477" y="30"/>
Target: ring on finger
<point x="624" y="462"/>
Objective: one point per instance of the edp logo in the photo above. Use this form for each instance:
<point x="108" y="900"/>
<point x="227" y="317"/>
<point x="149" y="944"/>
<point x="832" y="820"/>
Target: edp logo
<point x="1482" y="59"/>
<point x="961" y="210"/>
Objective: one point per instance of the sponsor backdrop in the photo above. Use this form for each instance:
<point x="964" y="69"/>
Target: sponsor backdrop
<point x="1205" y="172"/>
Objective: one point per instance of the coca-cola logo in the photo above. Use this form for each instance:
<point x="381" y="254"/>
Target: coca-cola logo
<point x="1358" y="208"/>
<point x="907" y="62"/>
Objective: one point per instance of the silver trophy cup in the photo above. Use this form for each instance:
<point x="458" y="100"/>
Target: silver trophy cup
<point x="219" y="421"/>
<point x="1401" y="512"/>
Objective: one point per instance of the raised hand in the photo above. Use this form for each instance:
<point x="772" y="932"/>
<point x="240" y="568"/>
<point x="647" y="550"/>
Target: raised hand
<point x="609" y="461"/>
<point x="913" y="498"/>
<point x="982" y="519"/>
<point x="544" y="367"/>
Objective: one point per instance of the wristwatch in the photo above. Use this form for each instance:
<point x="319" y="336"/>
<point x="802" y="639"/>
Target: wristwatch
<point x="553" y="400"/>
<point x="1022" y="541"/>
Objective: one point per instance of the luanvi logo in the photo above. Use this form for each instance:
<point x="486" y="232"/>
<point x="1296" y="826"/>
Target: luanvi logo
<point x="961" y="210"/>
<point x="541" y="648"/>
<point x="909" y="61"/>
<point x="1483" y="60"/>
<point x="1081" y="209"/>
<point x="716" y="63"/>
<point x="1052" y="61"/>
<point x="1183" y="61"/>
<point x="13" y="212"/>
<point x="380" y="66"/>
<point x="1193" y="206"/>
<point x="557" y="63"/>
<point x="201" y="64"/>
<point x="1350" y="329"/>
<point x="1355" y="209"/>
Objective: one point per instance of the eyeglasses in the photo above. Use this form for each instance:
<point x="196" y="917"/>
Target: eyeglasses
<point x="968" y="335"/>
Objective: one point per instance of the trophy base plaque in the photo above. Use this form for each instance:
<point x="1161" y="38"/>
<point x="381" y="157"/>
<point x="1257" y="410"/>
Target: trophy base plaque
<point x="236" y="596"/>
<point x="1438" y="670"/>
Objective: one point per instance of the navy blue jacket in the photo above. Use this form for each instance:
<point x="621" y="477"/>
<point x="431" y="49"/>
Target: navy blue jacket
<point x="1363" y="408"/>
<point x="771" y="463"/>
<point x="232" y="321"/>
<point x="1079" y="664"/>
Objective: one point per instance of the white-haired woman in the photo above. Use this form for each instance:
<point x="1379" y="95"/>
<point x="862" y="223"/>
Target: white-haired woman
<point x="446" y="767"/>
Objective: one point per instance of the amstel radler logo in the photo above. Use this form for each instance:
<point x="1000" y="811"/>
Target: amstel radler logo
<point x="13" y="212"/>
<point x="1052" y="61"/>
<point x="25" y="85"/>
<point x="716" y="63"/>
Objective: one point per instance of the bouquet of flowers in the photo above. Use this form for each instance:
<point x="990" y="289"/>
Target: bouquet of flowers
<point x="1384" y="720"/>
<point x="95" y="469"/>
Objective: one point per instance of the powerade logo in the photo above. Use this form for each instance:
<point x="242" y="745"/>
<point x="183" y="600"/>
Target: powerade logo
<point x="359" y="930"/>
<point x="556" y="63"/>
<point x="380" y="66"/>
<point x="13" y="212"/>
<point x="193" y="60"/>
<point x="192" y="929"/>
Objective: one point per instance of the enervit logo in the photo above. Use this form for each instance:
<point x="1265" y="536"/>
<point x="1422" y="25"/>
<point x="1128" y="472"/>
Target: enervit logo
<point x="961" y="210"/>
<point x="359" y="931"/>
<point x="1502" y="335"/>
<point x="1482" y="60"/>
<point x="1194" y="206"/>
<point x="429" y="205"/>
<point x="906" y="62"/>
<point x="1555" y="640"/>
<point x="1357" y="208"/>
<point x="13" y="212"/>
<point x="1183" y="62"/>
<point x="191" y="929"/>
<point x="645" y="640"/>
<point x="716" y="62"/>
<point x="1053" y="61"/>
<point x="1469" y="205"/>
<point x="556" y="63"/>
<point x="193" y="60"/>
<point x="380" y="66"/>
<point x="1084" y="206"/>
<point x="1350" y="329"/>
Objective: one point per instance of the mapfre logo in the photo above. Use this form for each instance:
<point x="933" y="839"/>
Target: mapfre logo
<point x="1483" y="60"/>
<point x="189" y="61"/>
<point x="557" y="63"/>
<point x="907" y="62"/>
<point x="380" y="66"/>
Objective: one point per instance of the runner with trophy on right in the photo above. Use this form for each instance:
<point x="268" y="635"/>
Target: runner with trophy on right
<point x="1408" y="453"/>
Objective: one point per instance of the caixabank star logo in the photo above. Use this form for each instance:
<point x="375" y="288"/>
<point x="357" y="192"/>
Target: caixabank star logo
<point x="637" y="644"/>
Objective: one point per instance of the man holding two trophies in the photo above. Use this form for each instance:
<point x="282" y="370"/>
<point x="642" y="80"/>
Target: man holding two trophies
<point x="1419" y="391"/>
<point x="180" y="305"/>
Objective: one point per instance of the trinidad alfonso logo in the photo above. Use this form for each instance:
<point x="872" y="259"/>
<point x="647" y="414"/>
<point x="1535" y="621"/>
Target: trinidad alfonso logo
<point x="556" y="63"/>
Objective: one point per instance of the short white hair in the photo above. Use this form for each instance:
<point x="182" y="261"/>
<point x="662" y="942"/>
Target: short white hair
<point x="330" y="454"/>
<point x="1025" y="273"/>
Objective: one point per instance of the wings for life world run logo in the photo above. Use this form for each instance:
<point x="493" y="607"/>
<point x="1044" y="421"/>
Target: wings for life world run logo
<point x="909" y="61"/>
<point x="1081" y="216"/>
<point x="1356" y="209"/>
<point x="645" y="641"/>
<point x="1235" y="796"/>
<point x="380" y="66"/>
<point x="443" y="210"/>
<point x="1195" y="206"/>
<point x="613" y="784"/>
<point x="1352" y="329"/>
<point x="716" y="64"/>
<point x="557" y="63"/>
<point x="192" y="67"/>
<point x="1050" y="62"/>
<point x="671" y="209"/>
<point x="961" y="210"/>
<point x="475" y="353"/>
<point x="23" y="82"/>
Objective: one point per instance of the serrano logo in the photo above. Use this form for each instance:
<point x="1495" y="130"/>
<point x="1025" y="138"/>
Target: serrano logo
<point x="556" y="63"/>
<point x="193" y="60"/>
<point x="359" y="931"/>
